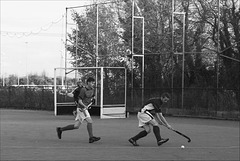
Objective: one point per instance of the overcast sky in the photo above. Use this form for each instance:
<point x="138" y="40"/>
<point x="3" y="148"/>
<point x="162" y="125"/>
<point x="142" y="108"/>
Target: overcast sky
<point x="34" y="53"/>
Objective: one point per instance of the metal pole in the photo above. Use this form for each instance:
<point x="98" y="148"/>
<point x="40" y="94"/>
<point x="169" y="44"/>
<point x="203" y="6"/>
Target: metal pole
<point x="66" y="49"/>
<point x="218" y="32"/>
<point x="218" y="44"/>
<point x="183" y="61"/>
<point x="97" y="37"/>
<point x="132" y="52"/>
<point x="172" y="48"/>
<point x="107" y="2"/>
<point x="125" y="97"/>
<point x="173" y="3"/>
<point x="3" y="78"/>
<point x="96" y="74"/>
<point x="76" y="51"/>
<point x="143" y="60"/>
<point x="55" y="93"/>
<point x="18" y="80"/>
<point x="101" y="98"/>
<point x="183" y="52"/>
<point x="218" y="39"/>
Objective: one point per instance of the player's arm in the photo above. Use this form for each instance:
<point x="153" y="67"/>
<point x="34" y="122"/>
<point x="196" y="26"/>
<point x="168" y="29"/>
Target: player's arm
<point x="93" y="100"/>
<point x="82" y="104"/>
<point x="80" y="98"/>
<point x="162" y="121"/>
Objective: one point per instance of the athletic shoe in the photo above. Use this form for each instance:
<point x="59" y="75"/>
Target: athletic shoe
<point x="93" y="139"/>
<point x="133" y="142"/>
<point x="162" y="141"/>
<point x="59" y="132"/>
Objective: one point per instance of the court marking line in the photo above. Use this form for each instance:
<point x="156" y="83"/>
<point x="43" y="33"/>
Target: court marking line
<point x="120" y="147"/>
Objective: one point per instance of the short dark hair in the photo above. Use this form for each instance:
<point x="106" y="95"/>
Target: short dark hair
<point x="165" y="94"/>
<point x="90" y="79"/>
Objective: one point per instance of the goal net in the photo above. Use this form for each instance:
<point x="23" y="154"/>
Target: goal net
<point x="110" y="90"/>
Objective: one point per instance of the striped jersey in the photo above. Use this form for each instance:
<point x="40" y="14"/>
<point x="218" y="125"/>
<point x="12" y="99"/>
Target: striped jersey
<point x="153" y="104"/>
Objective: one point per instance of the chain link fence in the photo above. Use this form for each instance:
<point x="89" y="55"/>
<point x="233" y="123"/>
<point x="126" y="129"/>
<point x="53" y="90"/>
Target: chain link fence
<point x="36" y="98"/>
<point x="200" y="102"/>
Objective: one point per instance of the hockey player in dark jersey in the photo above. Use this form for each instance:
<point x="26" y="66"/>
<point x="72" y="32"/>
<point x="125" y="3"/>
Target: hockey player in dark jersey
<point x="146" y="119"/>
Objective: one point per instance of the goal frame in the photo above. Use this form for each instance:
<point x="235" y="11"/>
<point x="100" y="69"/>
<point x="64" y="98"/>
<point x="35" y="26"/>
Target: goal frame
<point x="106" y="110"/>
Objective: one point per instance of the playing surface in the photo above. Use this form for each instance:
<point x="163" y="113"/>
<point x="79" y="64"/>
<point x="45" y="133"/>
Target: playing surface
<point x="31" y="135"/>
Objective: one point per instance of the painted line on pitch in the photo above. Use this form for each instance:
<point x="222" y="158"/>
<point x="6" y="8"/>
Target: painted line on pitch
<point x="122" y="147"/>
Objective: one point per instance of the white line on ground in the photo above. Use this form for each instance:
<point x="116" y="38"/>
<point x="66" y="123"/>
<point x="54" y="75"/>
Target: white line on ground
<point x="123" y="147"/>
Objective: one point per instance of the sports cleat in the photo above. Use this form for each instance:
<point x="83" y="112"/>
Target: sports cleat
<point x="162" y="141"/>
<point x="133" y="142"/>
<point x="93" y="139"/>
<point x="59" y="132"/>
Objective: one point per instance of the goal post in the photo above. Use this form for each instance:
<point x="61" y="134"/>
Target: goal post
<point x="110" y="89"/>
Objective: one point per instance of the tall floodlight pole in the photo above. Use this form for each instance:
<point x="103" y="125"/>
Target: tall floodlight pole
<point x="218" y="30"/>
<point x="97" y="36"/>
<point x="143" y="57"/>
<point x="132" y="51"/>
<point x="172" y="84"/>
<point x="137" y="55"/>
<point x="65" y="75"/>
<point x="183" y="49"/>
<point x="96" y="73"/>
<point x="183" y="61"/>
<point x="76" y="56"/>
<point x="55" y="91"/>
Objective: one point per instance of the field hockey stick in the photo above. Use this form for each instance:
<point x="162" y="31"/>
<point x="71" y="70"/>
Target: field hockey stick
<point x="189" y="140"/>
<point x="89" y="105"/>
<point x="176" y="131"/>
